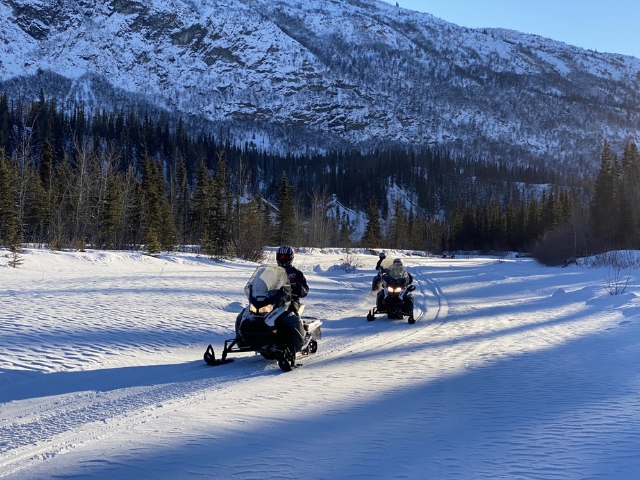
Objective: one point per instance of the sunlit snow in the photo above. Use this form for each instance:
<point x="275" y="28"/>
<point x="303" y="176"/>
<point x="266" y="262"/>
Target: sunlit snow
<point x="512" y="370"/>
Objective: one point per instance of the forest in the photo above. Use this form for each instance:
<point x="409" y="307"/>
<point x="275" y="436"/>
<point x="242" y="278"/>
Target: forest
<point x="71" y="178"/>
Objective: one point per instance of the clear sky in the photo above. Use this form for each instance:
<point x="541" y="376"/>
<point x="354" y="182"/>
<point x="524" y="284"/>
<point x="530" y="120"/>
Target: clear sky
<point x="612" y="26"/>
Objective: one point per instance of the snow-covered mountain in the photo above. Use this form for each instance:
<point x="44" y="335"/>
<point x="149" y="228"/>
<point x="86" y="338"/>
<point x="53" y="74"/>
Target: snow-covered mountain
<point x="287" y="74"/>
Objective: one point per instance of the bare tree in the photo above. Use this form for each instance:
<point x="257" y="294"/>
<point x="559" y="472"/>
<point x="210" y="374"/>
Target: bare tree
<point x="26" y="167"/>
<point x="318" y="232"/>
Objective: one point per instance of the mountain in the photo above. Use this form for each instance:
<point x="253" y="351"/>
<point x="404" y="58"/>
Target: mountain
<point x="288" y="75"/>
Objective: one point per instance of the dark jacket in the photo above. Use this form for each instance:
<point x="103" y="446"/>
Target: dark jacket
<point x="299" y="287"/>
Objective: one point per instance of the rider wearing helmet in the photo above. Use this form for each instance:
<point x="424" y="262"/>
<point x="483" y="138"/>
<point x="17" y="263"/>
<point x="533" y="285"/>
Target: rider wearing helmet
<point x="299" y="289"/>
<point x="408" y="299"/>
<point x="397" y="262"/>
<point x="377" y="280"/>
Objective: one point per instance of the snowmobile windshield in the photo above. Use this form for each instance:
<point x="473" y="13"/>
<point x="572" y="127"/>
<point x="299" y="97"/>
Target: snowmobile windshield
<point x="397" y="272"/>
<point x="268" y="282"/>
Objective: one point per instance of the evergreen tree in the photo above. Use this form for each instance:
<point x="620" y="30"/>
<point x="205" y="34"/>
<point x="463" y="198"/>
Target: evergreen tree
<point x="414" y="232"/>
<point x="10" y="228"/>
<point x="157" y="215"/>
<point x="285" y="225"/>
<point x="532" y="222"/>
<point x="219" y="213"/>
<point x="496" y="226"/>
<point x="631" y="192"/>
<point x="547" y="211"/>
<point x="397" y="229"/>
<point x="181" y="200"/>
<point x="248" y="240"/>
<point x="113" y="214"/>
<point x="8" y="214"/>
<point x="602" y="206"/>
<point x="151" y="241"/>
<point x="373" y="231"/>
<point x="345" y="231"/>
<point x="47" y="181"/>
<point x="202" y="194"/>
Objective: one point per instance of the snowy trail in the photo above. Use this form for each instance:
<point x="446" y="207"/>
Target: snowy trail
<point x="129" y="401"/>
<point x="508" y="364"/>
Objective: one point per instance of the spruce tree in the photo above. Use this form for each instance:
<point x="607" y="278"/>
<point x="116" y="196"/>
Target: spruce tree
<point x="47" y="180"/>
<point x="285" y="225"/>
<point x="8" y="216"/>
<point x="602" y="206"/>
<point x="151" y="199"/>
<point x="113" y="213"/>
<point x="372" y="237"/>
<point x="345" y="231"/>
<point x="201" y="204"/>
<point x="157" y="215"/>
<point x="15" y="242"/>
<point x="532" y="222"/>
<point x="398" y="229"/>
<point x="631" y="190"/>
<point x="151" y="241"/>
<point x="248" y="241"/>
<point x="181" y="201"/>
<point x="220" y="211"/>
<point x="10" y="228"/>
<point x="496" y="226"/>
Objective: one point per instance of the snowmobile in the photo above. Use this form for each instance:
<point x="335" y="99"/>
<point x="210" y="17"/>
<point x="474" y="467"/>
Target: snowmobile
<point x="395" y="297"/>
<point x="259" y="327"/>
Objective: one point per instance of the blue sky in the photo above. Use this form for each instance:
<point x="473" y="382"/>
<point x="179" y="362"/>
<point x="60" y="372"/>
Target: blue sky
<point x="612" y="26"/>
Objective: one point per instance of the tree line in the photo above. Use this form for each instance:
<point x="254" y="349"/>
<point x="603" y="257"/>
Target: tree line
<point x="127" y="181"/>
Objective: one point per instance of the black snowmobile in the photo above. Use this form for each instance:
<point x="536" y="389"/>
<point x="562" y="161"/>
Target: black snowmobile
<point x="261" y="327"/>
<point x="394" y="298"/>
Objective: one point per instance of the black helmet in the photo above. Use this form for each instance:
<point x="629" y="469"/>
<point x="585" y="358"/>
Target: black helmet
<point x="397" y="261"/>
<point x="382" y="255"/>
<point x="284" y="256"/>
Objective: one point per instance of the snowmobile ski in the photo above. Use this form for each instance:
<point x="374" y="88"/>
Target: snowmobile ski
<point x="210" y="358"/>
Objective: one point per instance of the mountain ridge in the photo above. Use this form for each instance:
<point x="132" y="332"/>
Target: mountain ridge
<point x="287" y="75"/>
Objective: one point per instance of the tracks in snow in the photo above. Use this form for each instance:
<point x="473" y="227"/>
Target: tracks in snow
<point x="66" y="421"/>
<point x="432" y="310"/>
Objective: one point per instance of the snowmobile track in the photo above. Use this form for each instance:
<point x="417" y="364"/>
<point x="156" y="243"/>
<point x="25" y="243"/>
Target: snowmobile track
<point x="393" y="332"/>
<point x="89" y="416"/>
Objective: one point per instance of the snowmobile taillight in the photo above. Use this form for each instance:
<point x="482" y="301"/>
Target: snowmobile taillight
<point x="261" y="311"/>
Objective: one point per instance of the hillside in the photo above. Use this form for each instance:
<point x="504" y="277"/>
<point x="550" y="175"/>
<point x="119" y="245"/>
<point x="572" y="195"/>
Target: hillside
<point x="288" y="75"/>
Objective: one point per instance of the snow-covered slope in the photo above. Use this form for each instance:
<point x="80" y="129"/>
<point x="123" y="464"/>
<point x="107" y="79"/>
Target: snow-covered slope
<point x="286" y="73"/>
<point x="512" y="370"/>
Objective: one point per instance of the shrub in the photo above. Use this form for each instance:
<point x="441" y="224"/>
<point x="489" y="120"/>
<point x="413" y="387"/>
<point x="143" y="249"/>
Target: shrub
<point x="349" y="262"/>
<point x="561" y="246"/>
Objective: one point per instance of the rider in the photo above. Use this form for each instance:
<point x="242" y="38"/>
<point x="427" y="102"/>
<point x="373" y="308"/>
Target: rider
<point x="397" y="262"/>
<point x="377" y="280"/>
<point x="407" y="305"/>
<point x="299" y="289"/>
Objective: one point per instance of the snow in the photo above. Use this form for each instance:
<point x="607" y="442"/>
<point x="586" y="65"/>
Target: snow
<point x="259" y="65"/>
<point x="513" y="370"/>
